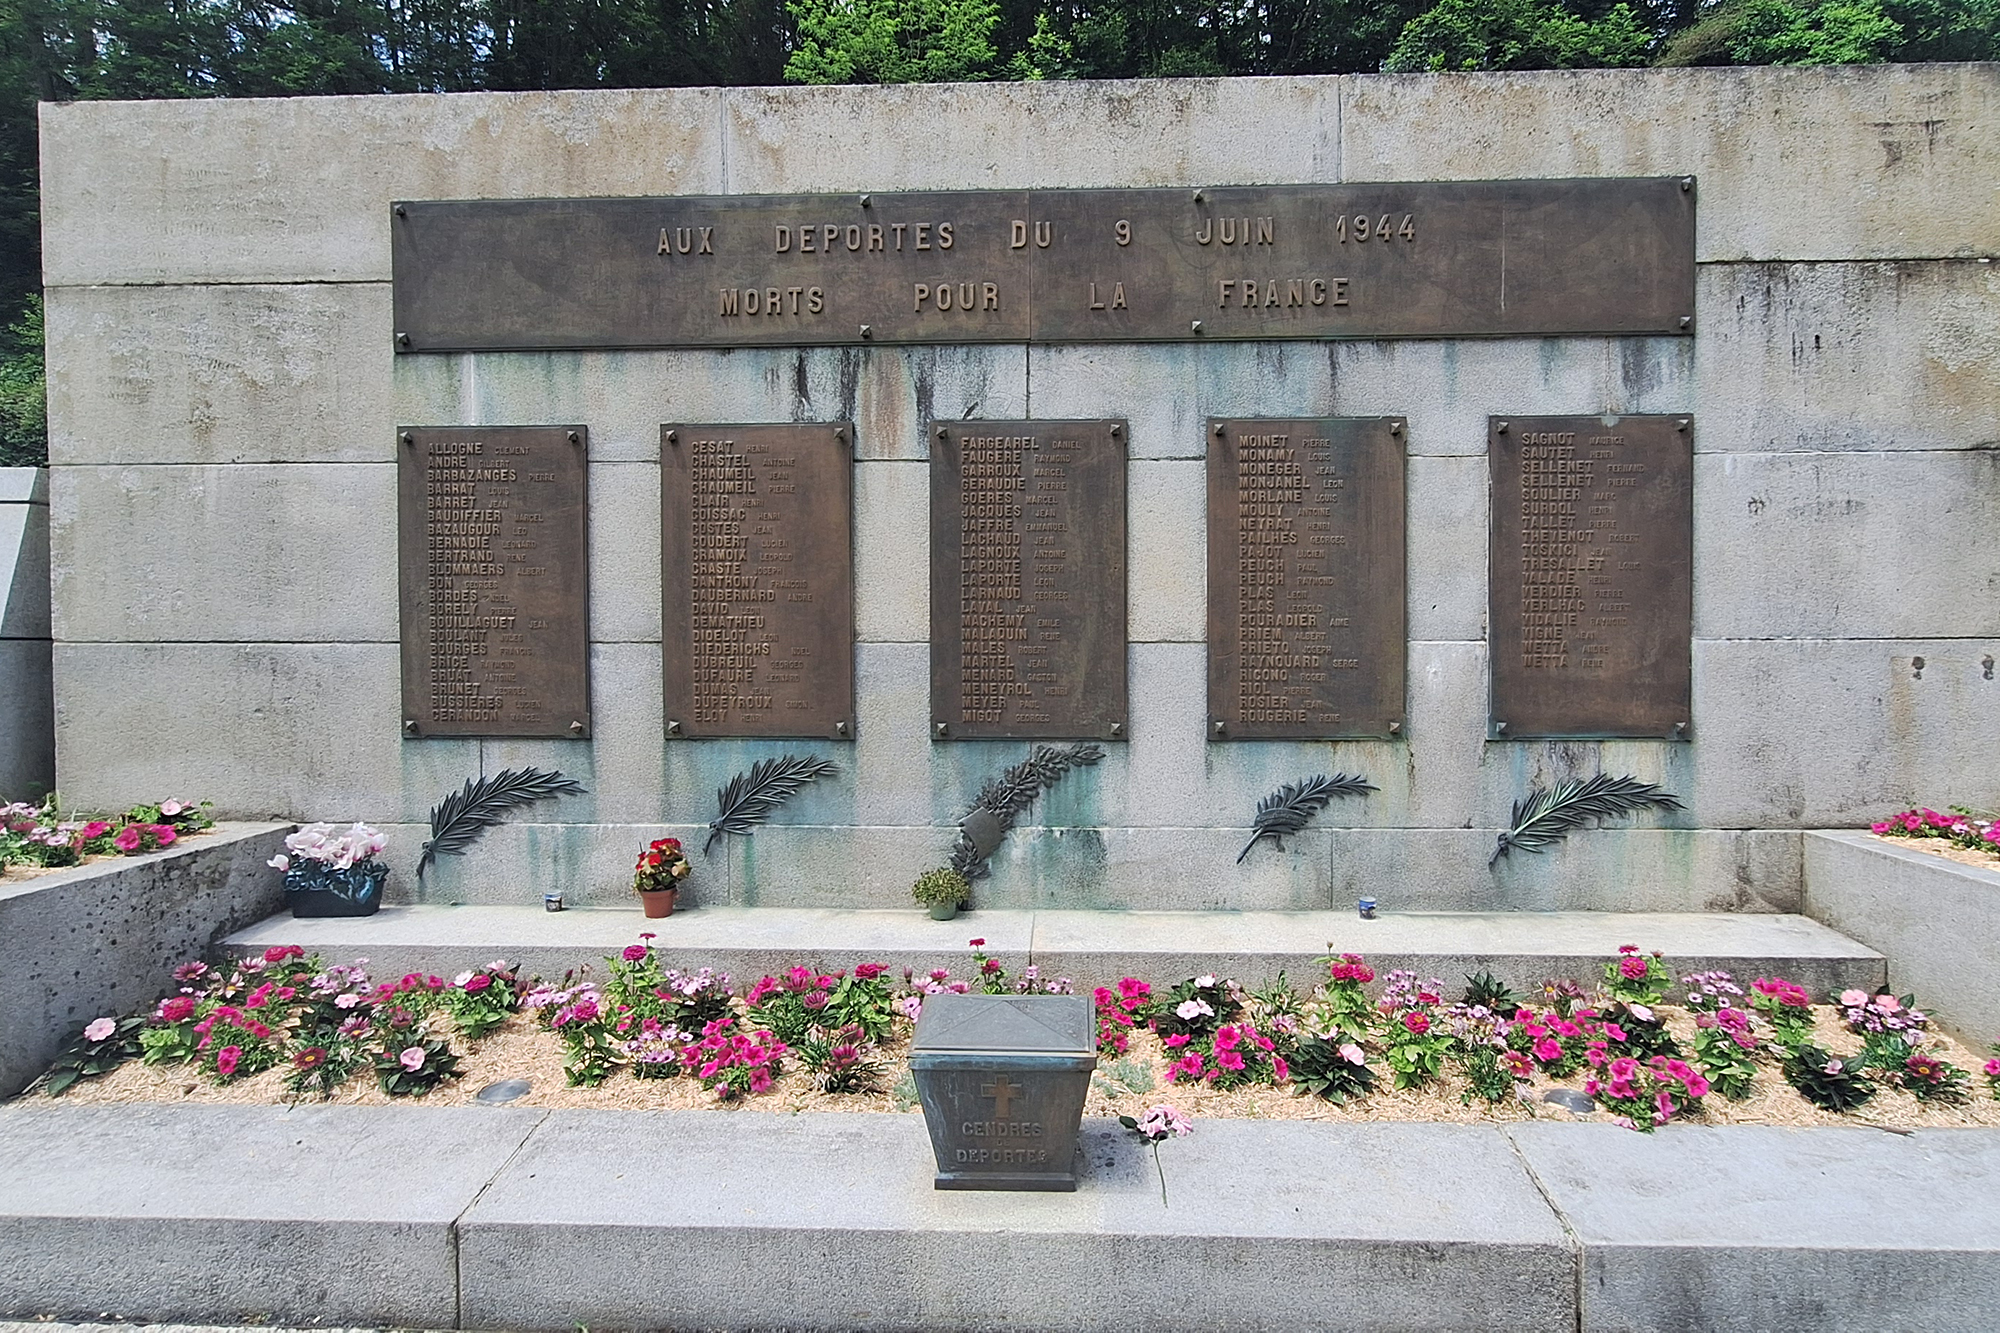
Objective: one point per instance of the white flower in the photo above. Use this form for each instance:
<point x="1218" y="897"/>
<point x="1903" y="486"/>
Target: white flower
<point x="347" y="1001"/>
<point x="1641" y="1012"/>
<point x="1352" y="1054"/>
<point x="100" y="1029"/>
<point x="1192" y="1009"/>
<point x="1208" y="980"/>
<point x="168" y="809"/>
<point x="461" y="979"/>
<point x="280" y="861"/>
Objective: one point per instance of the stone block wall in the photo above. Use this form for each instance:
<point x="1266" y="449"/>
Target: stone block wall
<point x="224" y="396"/>
<point x="27" y="693"/>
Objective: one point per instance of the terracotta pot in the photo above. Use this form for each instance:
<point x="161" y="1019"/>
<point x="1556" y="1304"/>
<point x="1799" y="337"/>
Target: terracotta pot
<point x="658" y="902"/>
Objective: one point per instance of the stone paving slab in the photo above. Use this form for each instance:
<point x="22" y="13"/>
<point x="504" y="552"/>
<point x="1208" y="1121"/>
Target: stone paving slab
<point x="232" y="1214"/>
<point x="1758" y="1227"/>
<point x="440" y="1217"/>
<point x="831" y="1221"/>
<point x="1092" y="948"/>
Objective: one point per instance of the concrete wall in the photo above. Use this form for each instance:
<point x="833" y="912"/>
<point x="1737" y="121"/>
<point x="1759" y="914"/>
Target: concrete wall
<point x="1937" y="921"/>
<point x="27" y="692"/>
<point x="105" y="938"/>
<point x="223" y="398"/>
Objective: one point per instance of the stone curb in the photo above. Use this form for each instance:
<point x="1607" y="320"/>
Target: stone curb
<point x="506" y="1218"/>
<point x="1091" y="948"/>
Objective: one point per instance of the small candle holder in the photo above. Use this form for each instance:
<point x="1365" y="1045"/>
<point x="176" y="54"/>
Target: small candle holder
<point x="552" y="902"/>
<point x="1367" y="909"/>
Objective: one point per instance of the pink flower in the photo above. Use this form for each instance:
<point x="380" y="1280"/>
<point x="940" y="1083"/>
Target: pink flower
<point x="1993" y="1069"/>
<point x="1227" y="1038"/>
<point x="634" y="952"/>
<point x="1279" y="1069"/>
<point x="978" y="943"/>
<point x="412" y="1058"/>
<point x="227" y="1059"/>
<point x="1888" y="1004"/>
<point x="816" y="1001"/>
<point x="162" y="833"/>
<point x="869" y="971"/>
<point x="1230" y="1060"/>
<point x="1176" y="1041"/>
<point x="1517" y="1063"/>
<point x="175" y="1008"/>
<point x="1416" y="1023"/>
<point x="100" y="1029"/>
<point x="1853" y="999"/>
<point x="128" y="839"/>
<point x="1548" y="1050"/>
<point x="1632" y="969"/>
<point x="1160" y="1121"/>
<point x="479" y="981"/>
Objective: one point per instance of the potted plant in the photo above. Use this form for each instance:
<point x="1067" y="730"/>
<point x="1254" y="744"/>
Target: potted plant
<point x="658" y="875"/>
<point x="943" y="890"/>
<point x="333" y="874"/>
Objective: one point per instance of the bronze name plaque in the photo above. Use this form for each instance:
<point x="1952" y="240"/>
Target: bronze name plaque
<point x="1028" y="579"/>
<point x="1306" y="567"/>
<point x="1591" y="599"/>
<point x="1420" y="259"/>
<point x="757" y="586"/>
<point x="493" y="549"/>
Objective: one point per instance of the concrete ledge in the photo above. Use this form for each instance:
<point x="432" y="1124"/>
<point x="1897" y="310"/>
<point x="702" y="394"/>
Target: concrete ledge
<point x="1937" y="921"/>
<point x="473" y="1217"/>
<point x="235" y="1214"/>
<point x="833" y="1221"/>
<point x="105" y="938"/>
<point x="1759" y="1228"/>
<point x="1092" y="948"/>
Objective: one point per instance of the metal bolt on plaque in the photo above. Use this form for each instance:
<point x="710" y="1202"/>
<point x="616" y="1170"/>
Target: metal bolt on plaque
<point x="1003" y="1079"/>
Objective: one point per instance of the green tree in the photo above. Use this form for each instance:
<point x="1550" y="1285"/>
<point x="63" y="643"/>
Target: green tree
<point x="24" y="409"/>
<point x="1517" y="34"/>
<point x="1802" y="32"/>
<point x="892" y="41"/>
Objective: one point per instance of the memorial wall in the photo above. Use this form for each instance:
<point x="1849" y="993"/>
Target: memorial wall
<point x="1465" y="433"/>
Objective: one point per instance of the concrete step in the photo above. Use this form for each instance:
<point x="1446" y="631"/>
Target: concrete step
<point x="520" y="1219"/>
<point x="1092" y="948"/>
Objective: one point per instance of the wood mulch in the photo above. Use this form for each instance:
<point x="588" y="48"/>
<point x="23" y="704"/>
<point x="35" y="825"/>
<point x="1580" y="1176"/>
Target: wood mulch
<point x="1965" y="856"/>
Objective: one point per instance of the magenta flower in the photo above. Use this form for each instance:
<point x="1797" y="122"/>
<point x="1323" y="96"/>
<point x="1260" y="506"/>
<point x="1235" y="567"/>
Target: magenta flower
<point x="634" y="952"/>
<point x="227" y="1059"/>
<point x="1632" y="968"/>
<point x="175" y="1008"/>
<point x="1548" y="1050"/>
<point x="128" y="839"/>
<point x="1416" y="1023"/>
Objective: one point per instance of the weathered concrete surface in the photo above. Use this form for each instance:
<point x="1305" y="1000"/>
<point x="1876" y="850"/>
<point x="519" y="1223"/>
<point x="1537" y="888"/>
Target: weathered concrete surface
<point x="1090" y="948"/>
<point x="1883" y="163"/>
<point x="104" y="939"/>
<point x="1756" y="1228"/>
<point x="1937" y="921"/>
<point x="298" y="189"/>
<point x="836" y="1217"/>
<point x="27" y="691"/>
<point x="240" y="1214"/>
<point x="222" y="373"/>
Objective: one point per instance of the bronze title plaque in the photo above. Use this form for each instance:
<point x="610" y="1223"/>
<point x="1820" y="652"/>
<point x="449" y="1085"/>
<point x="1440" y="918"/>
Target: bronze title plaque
<point x="493" y="557"/>
<point x="1419" y="259"/>
<point x="1028" y="579"/>
<point x="1305" y="578"/>
<point x="1591" y="601"/>
<point x="757" y="549"/>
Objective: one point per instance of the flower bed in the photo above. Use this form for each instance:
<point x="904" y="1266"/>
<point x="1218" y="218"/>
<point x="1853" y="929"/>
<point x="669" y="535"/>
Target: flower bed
<point x="285" y="1027"/>
<point x="36" y="839"/>
<point x="1962" y="835"/>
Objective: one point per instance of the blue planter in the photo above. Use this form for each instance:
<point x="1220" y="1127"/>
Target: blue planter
<point x="314" y="888"/>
